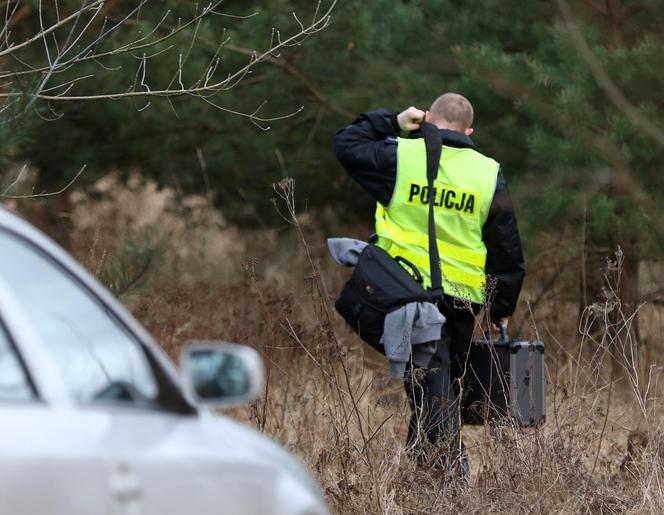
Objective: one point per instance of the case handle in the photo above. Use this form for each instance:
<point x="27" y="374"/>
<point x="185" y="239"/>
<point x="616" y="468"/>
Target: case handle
<point x="502" y="326"/>
<point x="413" y="269"/>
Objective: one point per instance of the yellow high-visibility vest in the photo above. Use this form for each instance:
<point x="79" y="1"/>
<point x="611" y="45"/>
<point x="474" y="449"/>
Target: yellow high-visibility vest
<point x="463" y="192"/>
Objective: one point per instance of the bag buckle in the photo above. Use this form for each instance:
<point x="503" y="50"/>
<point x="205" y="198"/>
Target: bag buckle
<point x="436" y="294"/>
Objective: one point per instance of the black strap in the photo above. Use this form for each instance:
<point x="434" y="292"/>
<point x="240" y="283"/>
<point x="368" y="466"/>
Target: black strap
<point x="433" y="141"/>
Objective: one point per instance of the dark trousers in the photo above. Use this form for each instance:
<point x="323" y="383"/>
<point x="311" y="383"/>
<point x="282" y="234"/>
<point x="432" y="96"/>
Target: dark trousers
<point x="433" y="393"/>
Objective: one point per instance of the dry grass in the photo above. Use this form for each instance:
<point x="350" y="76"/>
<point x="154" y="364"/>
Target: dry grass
<point x="329" y="400"/>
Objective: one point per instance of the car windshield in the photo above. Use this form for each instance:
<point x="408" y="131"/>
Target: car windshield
<point x="98" y="358"/>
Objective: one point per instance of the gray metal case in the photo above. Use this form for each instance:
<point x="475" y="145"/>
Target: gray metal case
<point x="527" y="384"/>
<point x="504" y="380"/>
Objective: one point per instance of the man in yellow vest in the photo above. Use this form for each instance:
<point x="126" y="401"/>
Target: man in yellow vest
<point x="478" y="241"/>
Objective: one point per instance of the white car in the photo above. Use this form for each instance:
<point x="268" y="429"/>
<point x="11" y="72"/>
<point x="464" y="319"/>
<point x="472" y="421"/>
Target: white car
<point x="95" y="419"/>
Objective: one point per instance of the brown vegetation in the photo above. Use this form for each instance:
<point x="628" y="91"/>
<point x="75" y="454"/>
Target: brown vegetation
<point x="329" y="400"/>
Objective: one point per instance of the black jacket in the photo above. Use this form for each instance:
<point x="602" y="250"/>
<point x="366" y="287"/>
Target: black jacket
<point x="367" y="149"/>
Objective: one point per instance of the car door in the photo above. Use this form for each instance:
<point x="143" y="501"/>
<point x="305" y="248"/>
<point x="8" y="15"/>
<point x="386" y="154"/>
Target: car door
<point x="45" y="458"/>
<point x="105" y="402"/>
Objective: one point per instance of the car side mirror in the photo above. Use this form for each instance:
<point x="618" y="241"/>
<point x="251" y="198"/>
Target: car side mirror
<point x="222" y="374"/>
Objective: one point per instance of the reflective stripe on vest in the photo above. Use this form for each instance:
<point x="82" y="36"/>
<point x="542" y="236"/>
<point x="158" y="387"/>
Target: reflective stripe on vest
<point x="463" y="192"/>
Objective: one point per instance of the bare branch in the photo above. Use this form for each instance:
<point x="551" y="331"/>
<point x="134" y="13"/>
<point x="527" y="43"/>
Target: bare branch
<point x="55" y="26"/>
<point x="15" y="181"/>
<point x="253" y="118"/>
<point x="230" y="81"/>
<point x="235" y="16"/>
<point x="12" y="18"/>
<point x="69" y="84"/>
<point x="41" y="25"/>
<point x="88" y="53"/>
<point x="52" y="65"/>
<point x="44" y="194"/>
<point x="62" y="57"/>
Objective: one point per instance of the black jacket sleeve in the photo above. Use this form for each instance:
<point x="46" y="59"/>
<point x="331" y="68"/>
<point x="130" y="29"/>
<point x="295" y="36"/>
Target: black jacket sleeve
<point x="367" y="150"/>
<point x="504" y="260"/>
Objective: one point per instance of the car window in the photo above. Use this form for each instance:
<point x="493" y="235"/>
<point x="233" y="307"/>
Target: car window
<point x="14" y="383"/>
<point x="98" y="358"/>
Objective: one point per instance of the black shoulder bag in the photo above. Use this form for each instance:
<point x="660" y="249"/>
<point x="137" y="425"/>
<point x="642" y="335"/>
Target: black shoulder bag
<point x="380" y="284"/>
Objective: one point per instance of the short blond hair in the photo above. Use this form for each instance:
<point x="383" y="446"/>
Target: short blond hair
<point x="455" y="109"/>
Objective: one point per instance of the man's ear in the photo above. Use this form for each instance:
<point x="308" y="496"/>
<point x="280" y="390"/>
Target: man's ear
<point x="427" y="116"/>
<point x="469" y="131"/>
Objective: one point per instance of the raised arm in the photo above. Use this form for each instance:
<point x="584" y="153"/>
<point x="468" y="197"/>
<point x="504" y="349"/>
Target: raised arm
<point x="367" y="149"/>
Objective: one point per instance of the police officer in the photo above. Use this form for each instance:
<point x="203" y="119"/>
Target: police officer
<point x="478" y="240"/>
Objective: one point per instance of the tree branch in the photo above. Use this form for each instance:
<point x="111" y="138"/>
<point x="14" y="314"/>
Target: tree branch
<point x="597" y="6"/>
<point x="43" y="194"/>
<point x="604" y="81"/>
<point x="20" y="15"/>
<point x="280" y="62"/>
<point x="39" y="36"/>
<point x="196" y="90"/>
